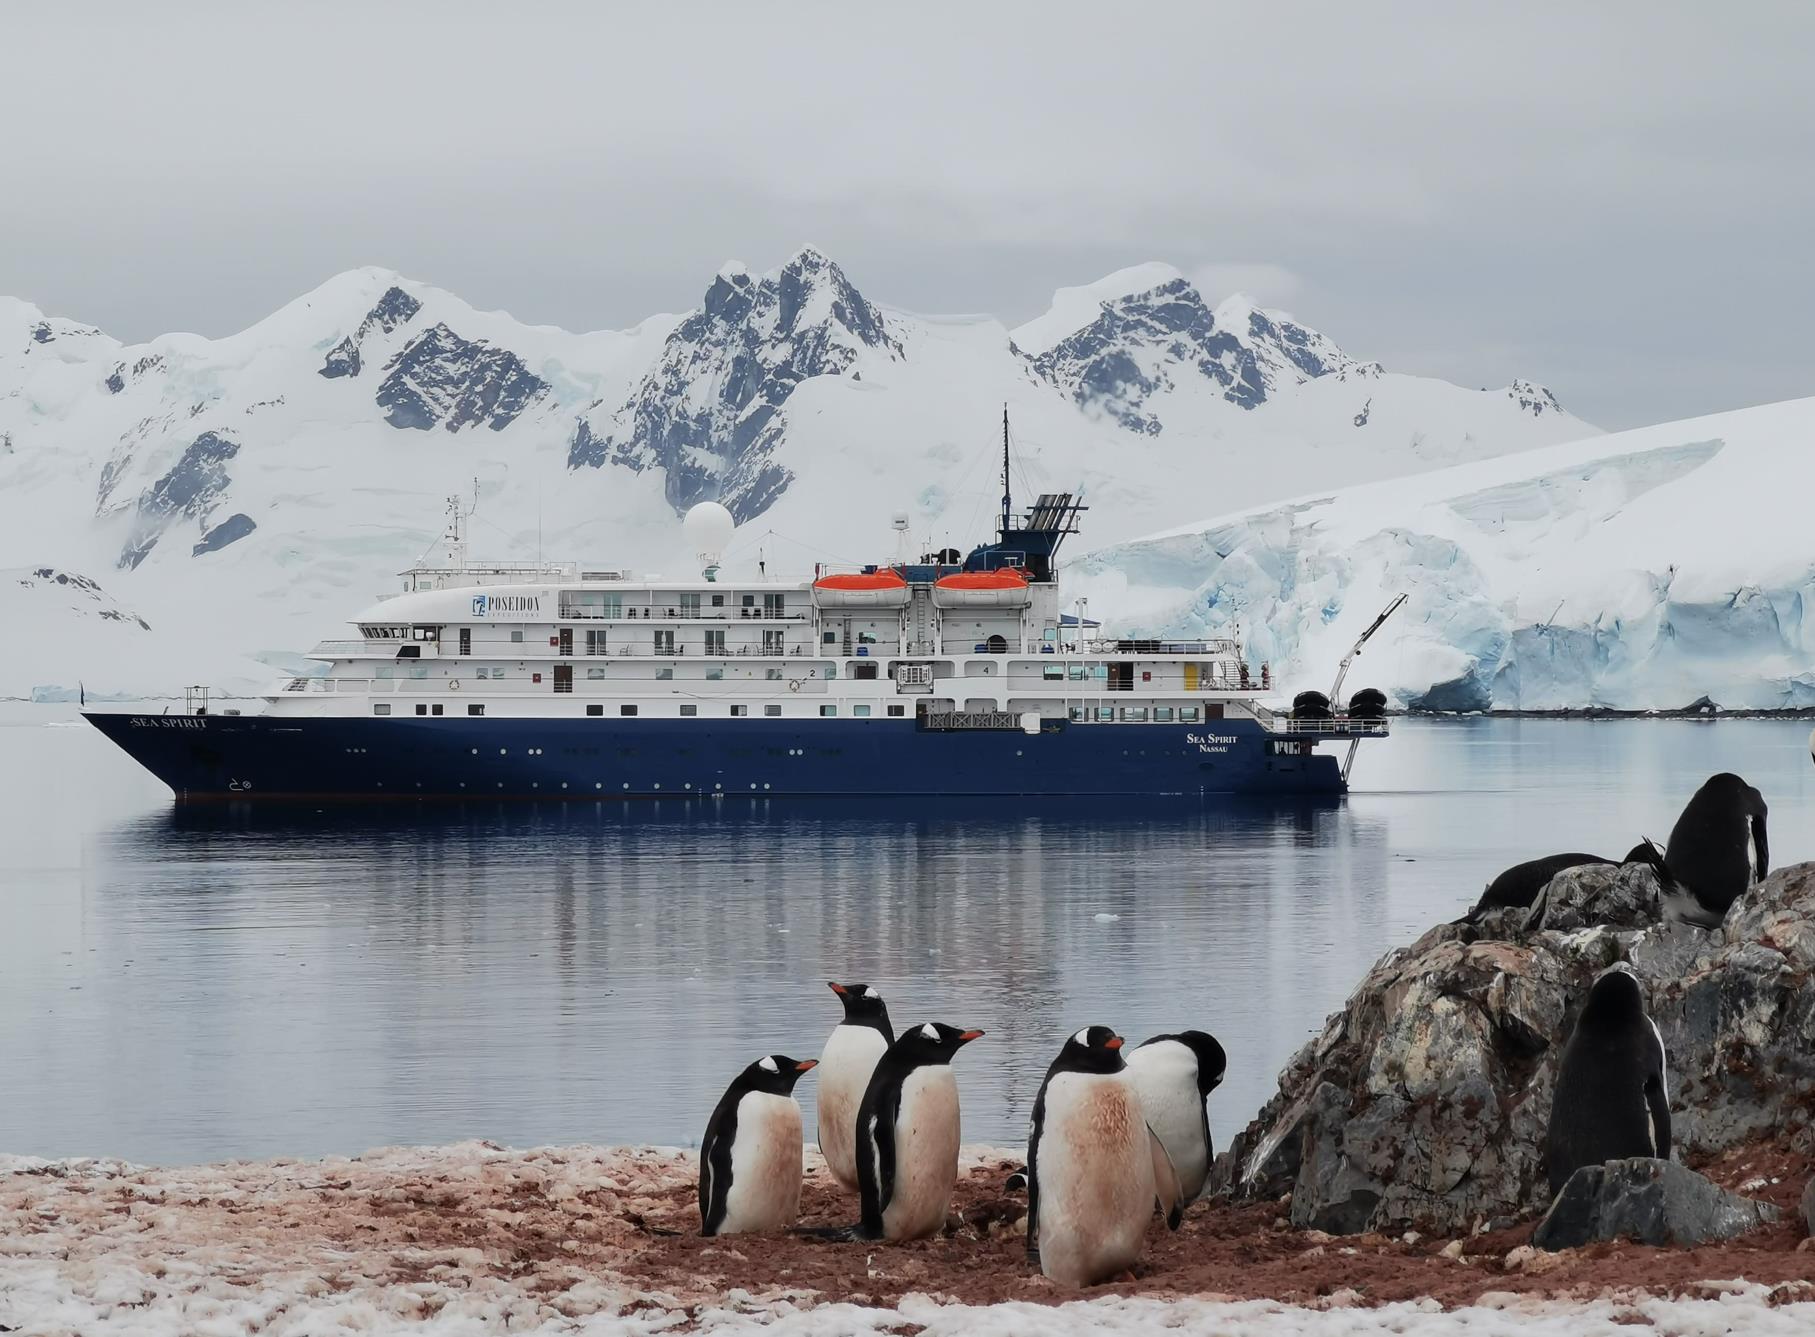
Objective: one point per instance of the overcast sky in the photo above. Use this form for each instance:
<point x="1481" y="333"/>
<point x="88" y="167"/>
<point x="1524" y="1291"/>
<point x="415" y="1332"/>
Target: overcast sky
<point x="1618" y="200"/>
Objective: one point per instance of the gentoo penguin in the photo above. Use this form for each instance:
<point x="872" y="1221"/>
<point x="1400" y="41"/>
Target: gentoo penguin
<point x="850" y="1056"/>
<point x="907" y="1135"/>
<point x="1717" y="848"/>
<point x="1519" y="885"/>
<point x="1611" y="1099"/>
<point x="1175" y="1075"/>
<point x="1094" y="1169"/>
<point x="750" y="1161"/>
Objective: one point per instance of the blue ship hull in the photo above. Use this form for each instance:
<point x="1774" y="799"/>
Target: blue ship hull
<point x="212" y="758"/>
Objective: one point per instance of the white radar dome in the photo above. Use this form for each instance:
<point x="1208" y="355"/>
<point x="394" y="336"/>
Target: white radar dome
<point x="708" y="527"/>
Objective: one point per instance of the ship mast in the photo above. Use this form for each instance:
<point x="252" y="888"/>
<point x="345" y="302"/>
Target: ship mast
<point x="1006" y="502"/>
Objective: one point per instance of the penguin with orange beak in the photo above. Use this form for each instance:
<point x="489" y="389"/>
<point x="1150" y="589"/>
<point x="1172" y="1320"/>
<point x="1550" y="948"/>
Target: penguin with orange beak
<point x="750" y="1160"/>
<point x="907" y="1135"/>
<point x="1094" y="1168"/>
<point x="849" y="1059"/>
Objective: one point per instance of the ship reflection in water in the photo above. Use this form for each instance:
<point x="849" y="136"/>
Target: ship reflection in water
<point x="189" y="984"/>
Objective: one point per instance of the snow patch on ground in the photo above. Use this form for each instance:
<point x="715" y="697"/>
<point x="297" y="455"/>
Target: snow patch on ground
<point x="473" y="1239"/>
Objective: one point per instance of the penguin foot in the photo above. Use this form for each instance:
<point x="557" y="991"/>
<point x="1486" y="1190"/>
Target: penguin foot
<point x="829" y="1234"/>
<point x="640" y="1222"/>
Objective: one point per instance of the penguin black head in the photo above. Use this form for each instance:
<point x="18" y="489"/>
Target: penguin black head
<point x="1212" y="1062"/>
<point x="774" y="1074"/>
<point x="1093" y="1049"/>
<point x="933" y="1042"/>
<point x="863" y="1006"/>
<point x="1615" y="997"/>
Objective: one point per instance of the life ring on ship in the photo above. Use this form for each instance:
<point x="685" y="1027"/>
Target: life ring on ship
<point x="453" y="684"/>
<point x="793" y="684"/>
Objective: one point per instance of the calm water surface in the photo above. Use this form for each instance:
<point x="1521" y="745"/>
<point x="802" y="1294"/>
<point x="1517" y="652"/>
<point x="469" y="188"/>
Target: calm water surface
<point x="179" y="986"/>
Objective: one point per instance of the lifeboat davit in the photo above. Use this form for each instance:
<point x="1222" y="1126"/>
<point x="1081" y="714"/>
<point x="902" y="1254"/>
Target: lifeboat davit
<point x="861" y="589"/>
<point x="1002" y="588"/>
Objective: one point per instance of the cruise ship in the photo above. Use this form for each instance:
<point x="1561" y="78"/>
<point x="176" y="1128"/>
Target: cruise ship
<point x="951" y="674"/>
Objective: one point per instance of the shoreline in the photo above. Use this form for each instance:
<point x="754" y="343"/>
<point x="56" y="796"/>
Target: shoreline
<point x="601" y="1239"/>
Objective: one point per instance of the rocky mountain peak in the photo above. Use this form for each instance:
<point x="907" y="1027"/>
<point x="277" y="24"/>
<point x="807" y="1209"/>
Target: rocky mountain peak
<point x="711" y="410"/>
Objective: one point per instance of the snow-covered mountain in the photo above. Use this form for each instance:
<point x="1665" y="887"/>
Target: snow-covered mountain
<point x="238" y="498"/>
<point x="1640" y="570"/>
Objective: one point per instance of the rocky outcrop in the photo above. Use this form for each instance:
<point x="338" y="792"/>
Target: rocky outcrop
<point x="1424" y="1101"/>
<point x="230" y="530"/>
<point x="190" y="488"/>
<point x="442" y="380"/>
<point x="395" y="308"/>
<point x="712" y="412"/>
<point x="1147" y="342"/>
<point x="1651" y="1201"/>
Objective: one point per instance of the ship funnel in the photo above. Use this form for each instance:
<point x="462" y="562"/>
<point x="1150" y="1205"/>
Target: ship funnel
<point x="708" y="527"/>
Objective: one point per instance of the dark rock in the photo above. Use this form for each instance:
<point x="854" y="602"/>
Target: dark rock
<point x="41" y="332"/>
<point x="1615" y="895"/>
<point x="230" y="530"/>
<point x="190" y="488"/>
<point x="440" y="379"/>
<point x="343" y="359"/>
<point x="1425" y="1100"/>
<point x="1654" y="1202"/>
<point x="752" y="342"/>
<point x="395" y="308"/>
<point x="117" y="382"/>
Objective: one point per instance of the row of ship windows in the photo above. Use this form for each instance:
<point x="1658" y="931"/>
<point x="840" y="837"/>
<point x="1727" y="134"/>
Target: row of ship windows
<point x="1079" y="714"/>
<point x="688" y="710"/>
<point x="1137" y="714"/>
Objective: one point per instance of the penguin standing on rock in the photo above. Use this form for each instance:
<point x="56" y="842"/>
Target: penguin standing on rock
<point x="1175" y="1075"/>
<point x="1611" y="1100"/>
<point x="856" y="1045"/>
<point x="750" y="1160"/>
<point x="1094" y="1168"/>
<point x="1718" y="847"/>
<point x="907" y="1135"/>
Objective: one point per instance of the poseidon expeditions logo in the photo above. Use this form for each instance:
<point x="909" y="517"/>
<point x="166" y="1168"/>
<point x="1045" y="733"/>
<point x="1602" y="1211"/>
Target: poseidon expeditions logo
<point x="485" y="605"/>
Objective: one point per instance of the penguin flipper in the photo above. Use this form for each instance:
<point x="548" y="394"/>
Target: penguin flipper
<point x="876" y="1155"/>
<point x="1658" y="1102"/>
<point x="1166" y="1187"/>
<point x="1760" y="846"/>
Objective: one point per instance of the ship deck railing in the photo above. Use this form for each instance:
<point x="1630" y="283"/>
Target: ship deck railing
<point x="653" y="613"/>
<point x="1353" y="726"/>
<point x="1138" y="645"/>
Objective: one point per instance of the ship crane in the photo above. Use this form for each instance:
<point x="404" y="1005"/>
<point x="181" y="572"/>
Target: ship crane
<point x="1342" y="671"/>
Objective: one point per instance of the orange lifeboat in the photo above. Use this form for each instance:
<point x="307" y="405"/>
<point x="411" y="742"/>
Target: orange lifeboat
<point x="862" y="580"/>
<point x="1005" y="587"/>
<point x="861" y="589"/>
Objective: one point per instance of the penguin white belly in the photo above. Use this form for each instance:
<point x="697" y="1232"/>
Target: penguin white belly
<point x="1096" y="1178"/>
<point x="766" y="1154"/>
<point x="926" y="1155"/>
<point x="1165" y="1076"/>
<point x="845" y="1067"/>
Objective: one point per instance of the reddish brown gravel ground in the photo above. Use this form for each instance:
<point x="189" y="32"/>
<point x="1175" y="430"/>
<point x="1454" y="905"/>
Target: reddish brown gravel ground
<point x="1245" y="1252"/>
